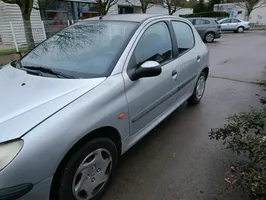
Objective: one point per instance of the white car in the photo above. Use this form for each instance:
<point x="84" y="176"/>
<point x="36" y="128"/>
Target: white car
<point x="234" y="24"/>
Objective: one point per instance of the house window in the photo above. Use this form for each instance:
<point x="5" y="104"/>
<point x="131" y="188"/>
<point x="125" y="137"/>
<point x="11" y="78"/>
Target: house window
<point x="125" y="9"/>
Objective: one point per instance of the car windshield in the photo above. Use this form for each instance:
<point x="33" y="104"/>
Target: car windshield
<point x="83" y="50"/>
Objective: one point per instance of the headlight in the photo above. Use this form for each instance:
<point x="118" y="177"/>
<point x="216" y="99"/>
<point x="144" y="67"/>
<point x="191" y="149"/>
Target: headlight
<point x="8" y="151"/>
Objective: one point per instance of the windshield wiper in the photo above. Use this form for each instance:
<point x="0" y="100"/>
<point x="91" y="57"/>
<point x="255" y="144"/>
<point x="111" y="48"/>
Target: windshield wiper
<point x="48" y="71"/>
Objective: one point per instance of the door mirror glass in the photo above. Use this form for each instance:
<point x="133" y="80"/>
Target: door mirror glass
<point x="149" y="69"/>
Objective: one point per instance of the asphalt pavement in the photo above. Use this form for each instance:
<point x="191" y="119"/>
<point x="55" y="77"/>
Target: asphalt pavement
<point x="177" y="161"/>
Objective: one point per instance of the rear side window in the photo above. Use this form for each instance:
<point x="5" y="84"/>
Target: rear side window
<point x="201" y="22"/>
<point x="235" y="21"/>
<point x="184" y="36"/>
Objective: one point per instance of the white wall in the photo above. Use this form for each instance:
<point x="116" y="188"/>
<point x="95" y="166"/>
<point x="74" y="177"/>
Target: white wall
<point x="12" y="13"/>
<point x="258" y="16"/>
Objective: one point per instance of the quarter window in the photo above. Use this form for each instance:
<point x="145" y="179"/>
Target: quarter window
<point x="184" y="36"/>
<point x="154" y="45"/>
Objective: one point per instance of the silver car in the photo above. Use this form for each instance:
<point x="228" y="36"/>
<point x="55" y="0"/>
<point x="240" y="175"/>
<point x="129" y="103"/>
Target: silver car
<point x="234" y="24"/>
<point x="208" y="28"/>
<point x="82" y="98"/>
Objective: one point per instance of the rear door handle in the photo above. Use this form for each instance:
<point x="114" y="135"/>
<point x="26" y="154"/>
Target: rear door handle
<point x="174" y="74"/>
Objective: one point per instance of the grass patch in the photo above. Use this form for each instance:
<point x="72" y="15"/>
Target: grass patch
<point x="12" y="51"/>
<point x="262" y="83"/>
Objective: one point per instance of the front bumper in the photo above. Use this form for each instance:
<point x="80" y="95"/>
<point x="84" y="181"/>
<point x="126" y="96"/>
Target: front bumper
<point x="39" y="191"/>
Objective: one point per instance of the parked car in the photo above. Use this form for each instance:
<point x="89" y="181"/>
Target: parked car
<point x="208" y="28"/>
<point x="234" y="24"/>
<point x="83" y="97"/>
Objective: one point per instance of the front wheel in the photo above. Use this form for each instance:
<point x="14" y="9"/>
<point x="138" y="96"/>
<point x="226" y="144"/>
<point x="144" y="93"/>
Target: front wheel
<point x="198" y="90"/>
<point x="88" y="171"/>
<point x="240" y="29"/>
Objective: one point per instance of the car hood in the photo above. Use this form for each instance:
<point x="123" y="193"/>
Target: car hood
<point x="26" y="100"/>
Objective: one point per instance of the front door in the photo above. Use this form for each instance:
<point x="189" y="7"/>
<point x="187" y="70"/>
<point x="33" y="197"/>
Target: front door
<point x="225" y="25"/>
<point x="149" y="97"/>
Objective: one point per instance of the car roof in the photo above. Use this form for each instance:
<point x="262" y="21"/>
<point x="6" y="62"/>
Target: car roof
<point x="130" y="17"/>
<point x="207" y="18"/>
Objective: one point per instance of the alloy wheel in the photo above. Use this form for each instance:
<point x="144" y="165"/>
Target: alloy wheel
<point x="92" y="174"/>
<point x="200" y="87"/>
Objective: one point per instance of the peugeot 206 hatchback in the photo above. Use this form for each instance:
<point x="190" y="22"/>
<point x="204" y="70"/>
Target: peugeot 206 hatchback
<point x="82" y="98"/>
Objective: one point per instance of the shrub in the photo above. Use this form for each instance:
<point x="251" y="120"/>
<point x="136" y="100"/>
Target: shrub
<point x="245" y="135"/>
<point x="212" y="14"/>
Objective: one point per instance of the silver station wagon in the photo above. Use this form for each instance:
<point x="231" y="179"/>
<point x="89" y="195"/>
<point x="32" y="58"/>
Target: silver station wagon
<point x="82" y="98"/>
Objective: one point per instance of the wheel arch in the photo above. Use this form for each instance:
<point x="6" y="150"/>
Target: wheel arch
<point x="241" y="26"/>
<point x="103" y="132"/>
<point x="206" y="71"/>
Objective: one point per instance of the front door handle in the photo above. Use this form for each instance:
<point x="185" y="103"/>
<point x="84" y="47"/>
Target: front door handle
<point x="198" y="58"/>
<point x="174" y="74"/>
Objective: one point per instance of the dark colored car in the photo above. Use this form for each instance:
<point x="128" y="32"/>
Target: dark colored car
<point x="208" y="28"/>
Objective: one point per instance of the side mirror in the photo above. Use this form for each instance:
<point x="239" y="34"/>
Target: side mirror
<point x="148" y="69"/>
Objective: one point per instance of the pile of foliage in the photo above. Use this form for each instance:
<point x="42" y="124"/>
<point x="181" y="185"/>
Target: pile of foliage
<point x="212" y="14"/>
<point x="245" y="135"/>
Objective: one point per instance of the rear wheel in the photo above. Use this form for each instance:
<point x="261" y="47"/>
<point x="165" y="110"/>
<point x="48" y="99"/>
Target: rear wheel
<point x="198" y="90"/>
<point x="209" y="37"/>
<point x="240" y="29"/>
<point x="88" y="171"/>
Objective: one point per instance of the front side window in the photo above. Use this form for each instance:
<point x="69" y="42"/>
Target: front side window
<point x="226" y="21"/>
<point x="184" y="36"/>
<point x="83" y="50"/>
<point x="154" y="45"/>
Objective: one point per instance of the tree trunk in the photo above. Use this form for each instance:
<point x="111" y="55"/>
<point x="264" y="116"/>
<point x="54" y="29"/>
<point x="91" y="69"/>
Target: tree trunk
<point x="248" y="14"/>
<point x="28" y="30"/>
<point x="169" y="9"/>
<point x="143" y="9"/>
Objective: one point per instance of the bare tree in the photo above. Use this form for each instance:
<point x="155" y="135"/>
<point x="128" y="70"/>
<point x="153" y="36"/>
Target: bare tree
<point x="250" y="5"/>
<point x="173" y="5"/>
<point x="103" y="6"/>
<point x="26" y="8"/>
<point x="144" y="4"/>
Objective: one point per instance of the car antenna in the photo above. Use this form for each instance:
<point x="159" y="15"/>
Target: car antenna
<point x="101" y="17"/>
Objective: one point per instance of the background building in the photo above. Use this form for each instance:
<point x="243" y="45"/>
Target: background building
<point x="257" y="16"/>
<point x="11" y="23"/>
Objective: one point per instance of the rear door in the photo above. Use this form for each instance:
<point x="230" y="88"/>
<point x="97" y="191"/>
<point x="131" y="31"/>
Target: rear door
<point x="225" y="25"/>
<point x="234" y="24"/>
<point x="188" y="61"/>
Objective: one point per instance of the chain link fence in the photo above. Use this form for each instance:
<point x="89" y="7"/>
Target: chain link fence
<point x="13" y="36"/>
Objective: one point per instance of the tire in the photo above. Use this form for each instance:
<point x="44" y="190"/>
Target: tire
<point x="240" y="29"/>
<point x="209" y="37"/>
<point x="195" y="98"/>
<point x="101" y="149"/>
